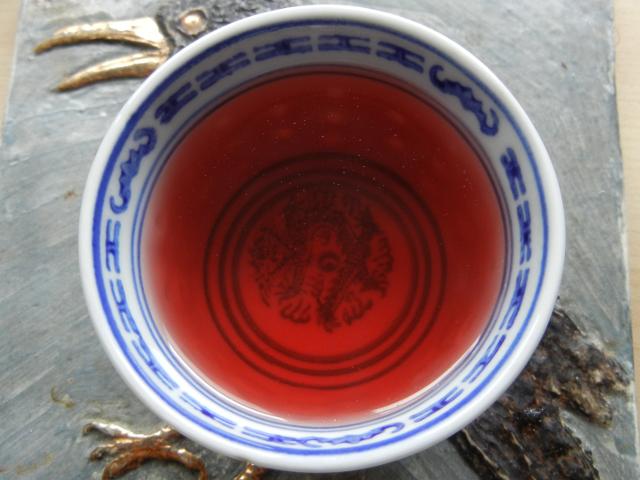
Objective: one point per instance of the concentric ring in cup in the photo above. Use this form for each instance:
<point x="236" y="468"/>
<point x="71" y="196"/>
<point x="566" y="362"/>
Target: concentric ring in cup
<point x="334" y="242"/>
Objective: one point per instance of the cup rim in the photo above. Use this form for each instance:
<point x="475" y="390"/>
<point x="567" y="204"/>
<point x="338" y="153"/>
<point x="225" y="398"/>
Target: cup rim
<point x="340" y="462"/>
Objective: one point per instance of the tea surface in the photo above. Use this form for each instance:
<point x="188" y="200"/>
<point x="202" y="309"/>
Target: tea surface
<point x="323" y="246"/>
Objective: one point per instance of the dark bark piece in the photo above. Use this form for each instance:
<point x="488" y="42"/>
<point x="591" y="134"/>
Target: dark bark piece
<point x="522" y="435"/>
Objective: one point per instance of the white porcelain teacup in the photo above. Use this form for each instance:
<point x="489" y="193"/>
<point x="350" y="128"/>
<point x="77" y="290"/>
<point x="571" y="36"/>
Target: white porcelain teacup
<point x="190" y="85"/>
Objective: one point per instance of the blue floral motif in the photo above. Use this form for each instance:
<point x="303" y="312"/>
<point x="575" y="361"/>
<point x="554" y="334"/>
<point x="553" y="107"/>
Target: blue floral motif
<point x="175" y="103"/>
<point x="129" y="168"/>
<point x="524" y="223"/>
<point x="285" y="46"/>
<point x="111" y="245"/>
<point x="144" y="352"/>
<point x="449" y="397"/>
<point x="206" y="412"/>
<point x="210" y="77"/>
<point x="490" y="352"/>
<point x="516" y="299"/>
<point x="129" y="325"/>
<point x="318" y="442"/>
<point x="350" y="43"/>
<point x="401" y="55"/>
<point x="467" y="99"/>
<point x="118" y="295"/>
<point x="512" y="168"/>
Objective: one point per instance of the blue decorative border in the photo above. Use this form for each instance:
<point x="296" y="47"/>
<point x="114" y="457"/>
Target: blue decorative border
<point x="403" y="57"/>
<point x="175" y="360"/>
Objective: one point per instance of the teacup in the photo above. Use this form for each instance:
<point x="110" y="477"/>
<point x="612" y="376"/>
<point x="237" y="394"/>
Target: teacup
<point x="332" y="265"/>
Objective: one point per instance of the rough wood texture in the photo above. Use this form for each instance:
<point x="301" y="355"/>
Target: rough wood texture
<point x="556" y="57"/>
<point x="522" y="435"/>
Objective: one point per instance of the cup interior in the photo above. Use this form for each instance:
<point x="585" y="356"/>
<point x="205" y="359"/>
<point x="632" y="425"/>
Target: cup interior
<point x="450" y="220"/>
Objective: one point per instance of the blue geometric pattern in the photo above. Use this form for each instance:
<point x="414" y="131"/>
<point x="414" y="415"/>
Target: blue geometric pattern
<point x="180" y="92"/>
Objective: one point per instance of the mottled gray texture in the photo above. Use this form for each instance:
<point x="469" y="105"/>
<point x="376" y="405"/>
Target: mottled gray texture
<point x="555" y="56"/>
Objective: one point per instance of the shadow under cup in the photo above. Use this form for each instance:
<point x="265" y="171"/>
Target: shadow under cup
<point x="324" y="245"/>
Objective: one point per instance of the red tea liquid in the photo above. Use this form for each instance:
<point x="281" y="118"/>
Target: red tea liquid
<point x="323" y="246"/>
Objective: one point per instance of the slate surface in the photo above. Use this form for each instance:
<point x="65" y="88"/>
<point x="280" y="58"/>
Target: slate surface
<point x="556" y="56"/>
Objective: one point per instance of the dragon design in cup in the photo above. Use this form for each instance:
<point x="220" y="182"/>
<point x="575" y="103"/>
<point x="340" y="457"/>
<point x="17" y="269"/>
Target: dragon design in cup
<point x="323" y="257"/>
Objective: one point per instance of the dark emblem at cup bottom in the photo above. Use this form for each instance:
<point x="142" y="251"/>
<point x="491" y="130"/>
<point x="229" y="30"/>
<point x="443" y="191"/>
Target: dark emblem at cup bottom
<point x="325" y="259"/>
<point x="324" y="271"/>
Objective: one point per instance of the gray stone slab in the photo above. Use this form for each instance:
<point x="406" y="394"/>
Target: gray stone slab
<point x="556" y="56"/>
